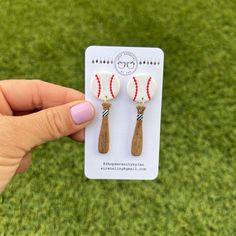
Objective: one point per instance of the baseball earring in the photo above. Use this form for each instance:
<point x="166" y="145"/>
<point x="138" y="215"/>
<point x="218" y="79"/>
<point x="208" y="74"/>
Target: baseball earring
<point x="105" y="86"/>
<point x="141" y="88"/>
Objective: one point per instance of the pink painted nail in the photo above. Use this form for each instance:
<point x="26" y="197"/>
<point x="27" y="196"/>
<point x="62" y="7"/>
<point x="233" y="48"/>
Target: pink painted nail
<point x="82" y="113"/>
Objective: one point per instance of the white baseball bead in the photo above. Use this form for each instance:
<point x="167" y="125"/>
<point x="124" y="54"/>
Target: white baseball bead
<point x="105" y="85"/>
<point x="141" y="87"/>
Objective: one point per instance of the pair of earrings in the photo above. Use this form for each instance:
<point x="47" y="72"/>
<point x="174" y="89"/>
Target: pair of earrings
<point x="140" y="88"/>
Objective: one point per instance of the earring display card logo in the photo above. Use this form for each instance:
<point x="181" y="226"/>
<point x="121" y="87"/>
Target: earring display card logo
<point x="122" y="82"/>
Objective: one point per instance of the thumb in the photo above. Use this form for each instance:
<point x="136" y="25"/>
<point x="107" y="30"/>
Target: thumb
<point x="54" y="123"/>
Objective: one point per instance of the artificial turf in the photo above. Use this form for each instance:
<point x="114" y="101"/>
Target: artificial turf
<point x="195" y="192"/>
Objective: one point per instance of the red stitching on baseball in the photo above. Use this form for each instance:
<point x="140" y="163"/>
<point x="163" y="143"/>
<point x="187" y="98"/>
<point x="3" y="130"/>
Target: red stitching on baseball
<point x="148" y="85"/>
<point x="99" y="85"/>
<point x="111" y="91"/>
<point x="136" y="88"/>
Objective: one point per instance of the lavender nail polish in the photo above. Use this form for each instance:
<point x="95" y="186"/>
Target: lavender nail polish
<point x="82" y="113"/>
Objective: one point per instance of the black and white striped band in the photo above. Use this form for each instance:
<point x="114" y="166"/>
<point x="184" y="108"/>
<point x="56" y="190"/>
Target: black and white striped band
<point x="105" y="113"/>
<point x="139" y="116"/>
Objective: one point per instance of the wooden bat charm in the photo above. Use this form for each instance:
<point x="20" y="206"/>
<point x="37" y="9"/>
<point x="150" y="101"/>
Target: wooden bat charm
<point x="137" y="142"/>
<point x="104" y="139"/>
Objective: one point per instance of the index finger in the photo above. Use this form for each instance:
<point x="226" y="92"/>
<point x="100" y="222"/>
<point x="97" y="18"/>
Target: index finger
<point x="28" y="95"/>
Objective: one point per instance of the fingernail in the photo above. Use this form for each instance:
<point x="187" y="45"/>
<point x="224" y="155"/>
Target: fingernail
<point x="82" y="113"/>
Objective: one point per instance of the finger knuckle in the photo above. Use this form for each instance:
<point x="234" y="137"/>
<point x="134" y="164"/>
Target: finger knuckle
<point x="7" y="127"/>
<point x="56" y="124"/>
<point x="10" y="137"/>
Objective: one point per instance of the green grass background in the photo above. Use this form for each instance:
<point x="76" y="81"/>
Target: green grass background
<point x="195" y="193"/>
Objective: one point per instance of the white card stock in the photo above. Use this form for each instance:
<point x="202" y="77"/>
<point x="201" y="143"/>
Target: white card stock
<point x="118" y="163"/>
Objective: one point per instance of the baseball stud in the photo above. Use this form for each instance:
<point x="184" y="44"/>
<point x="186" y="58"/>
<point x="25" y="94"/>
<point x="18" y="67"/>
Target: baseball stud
<point x="105" y="86"/>
<point x="141" y="88"/>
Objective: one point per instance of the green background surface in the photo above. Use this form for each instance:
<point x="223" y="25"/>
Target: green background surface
<point x="195" y="192"/>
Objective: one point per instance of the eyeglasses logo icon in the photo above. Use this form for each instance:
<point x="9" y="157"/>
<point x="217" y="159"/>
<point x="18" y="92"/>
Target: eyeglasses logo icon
<point x="126" y="63"/>
<point x="123" y="64"/>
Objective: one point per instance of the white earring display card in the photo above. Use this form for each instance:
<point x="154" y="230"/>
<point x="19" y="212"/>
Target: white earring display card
<point x="125" y="86"/>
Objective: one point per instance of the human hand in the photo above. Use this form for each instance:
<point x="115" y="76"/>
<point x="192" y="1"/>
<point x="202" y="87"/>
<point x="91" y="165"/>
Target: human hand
<point x="33" y="112"/>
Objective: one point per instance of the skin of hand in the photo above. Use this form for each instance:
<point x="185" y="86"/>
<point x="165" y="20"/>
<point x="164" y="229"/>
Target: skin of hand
<point x="33" y="112"/>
